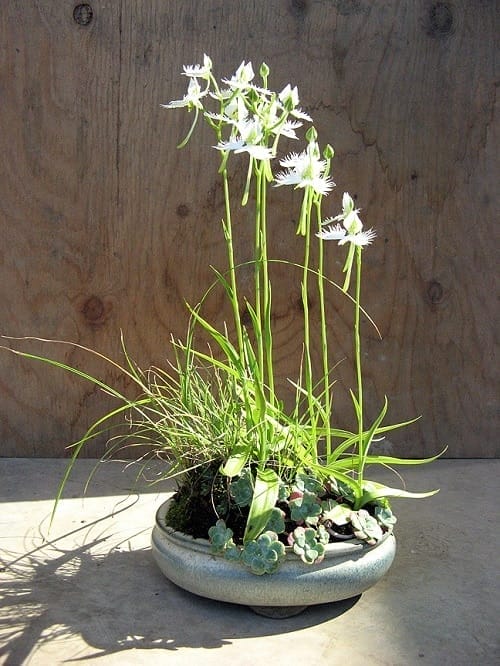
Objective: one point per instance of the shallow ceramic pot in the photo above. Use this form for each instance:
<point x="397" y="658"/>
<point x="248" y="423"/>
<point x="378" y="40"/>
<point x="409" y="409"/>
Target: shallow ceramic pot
<point x="348" y="569"/>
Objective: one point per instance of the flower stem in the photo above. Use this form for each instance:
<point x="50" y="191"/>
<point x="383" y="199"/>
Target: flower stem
<point x="306" y="229"/>
<point x="327" y="400"/>
<point x="266" y="286"/>
<point x="359" y="375"/>
<point x="259" y="297"/>
<point x="228" y="233"/>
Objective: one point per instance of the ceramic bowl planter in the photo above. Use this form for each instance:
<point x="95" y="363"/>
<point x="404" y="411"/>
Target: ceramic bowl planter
<point x="348" y="569"/>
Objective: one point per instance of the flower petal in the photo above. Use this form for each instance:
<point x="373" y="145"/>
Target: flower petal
<point x="199" y="71"/>
<point x="332" y="233"/>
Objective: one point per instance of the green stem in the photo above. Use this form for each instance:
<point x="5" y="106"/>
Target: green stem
<point x="228" y="233"/>
<point x="259" y="297"/>
<point x="266" y="286"/>
<point x="306" y="229"/>
<point x="357" y="355"/>
<point x="327" y="399"/>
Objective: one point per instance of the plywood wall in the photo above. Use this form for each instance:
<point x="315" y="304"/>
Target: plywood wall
<point x="105" y="226"/>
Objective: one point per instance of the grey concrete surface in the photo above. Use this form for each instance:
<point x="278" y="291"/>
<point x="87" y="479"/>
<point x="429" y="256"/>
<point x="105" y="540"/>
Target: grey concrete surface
<point x="88" y="590"/>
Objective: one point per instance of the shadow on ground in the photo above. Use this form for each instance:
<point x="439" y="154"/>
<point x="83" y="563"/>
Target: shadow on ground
<point x="88" y="478"/>
<point x="117" y="600"/>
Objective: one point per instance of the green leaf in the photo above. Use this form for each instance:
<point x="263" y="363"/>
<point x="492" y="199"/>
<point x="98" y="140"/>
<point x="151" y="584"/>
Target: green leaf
<point x="349" y="463"/>
<point x="368" y="438"/>
<point x="238" y="459"/>
<point x="223" y="342"/>
<point x="394" y="426"/>
<point x="355" y="401"/>
<point x="256" y="391"/>
<point x="220" y="277"/>
<point x="373" y="490"/>
<point x="265" y="495"/>
<point x="341" y="448"/>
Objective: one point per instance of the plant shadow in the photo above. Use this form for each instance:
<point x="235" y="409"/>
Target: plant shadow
<point x="118" y="600"/>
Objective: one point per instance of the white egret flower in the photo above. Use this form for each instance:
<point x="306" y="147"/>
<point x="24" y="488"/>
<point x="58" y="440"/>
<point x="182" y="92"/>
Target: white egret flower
<point x="247" y="139"/>
<point x="272" y="116"/>
<point x="242" y="77"/>
<point x="199" y="71"/>
<point x="351" y="229"/>
<point x="242" y="81"/>
<point x="338" y="233"/>
<point x="305" y="170"/>
<point x="288" y="128"/>
<point x="235" y="111"/>
<point x="302" y="115"/>
<point x="191" y="98"/>
<point x="290" y="96"/>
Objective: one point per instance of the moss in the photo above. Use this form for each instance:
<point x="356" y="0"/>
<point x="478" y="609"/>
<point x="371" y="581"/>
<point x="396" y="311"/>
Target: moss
<point x="201" y="499"/>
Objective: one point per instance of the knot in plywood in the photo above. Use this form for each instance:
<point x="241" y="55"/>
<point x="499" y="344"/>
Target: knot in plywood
<point x="95" y="311"/>
<point x="435" y="292"/>
<point x="83" y="14"/>
<point x="440" y="20"/>
<point x="182" y="210"/>
<point x="299" y="7"/>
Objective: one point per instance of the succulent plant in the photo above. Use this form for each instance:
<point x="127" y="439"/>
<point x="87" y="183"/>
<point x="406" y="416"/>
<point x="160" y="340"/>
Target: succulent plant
<point x="242" y="489"/>
<point x="276" y="522"/>
<point x="305" y="508"/>
<point x="366" y="527"/>
<point x="264" y="554"/>
<point x="305" y="483"/>
<point x="340" y="514"/>
<point x="283" y="492"/>
<point x="221" y="537"/>
<point x="308" y="543"/>
<point x="232" y="553"/>
<point x="322" y="535"/>
<point x="385" y="517"/>
<point x="341" y="490"/>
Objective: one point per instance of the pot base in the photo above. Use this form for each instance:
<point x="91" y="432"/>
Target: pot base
<point x="278" y="612"/>
<point x="347" y="570"/>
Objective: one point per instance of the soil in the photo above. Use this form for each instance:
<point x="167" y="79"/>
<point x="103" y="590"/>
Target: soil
<point x="203" y="498"/>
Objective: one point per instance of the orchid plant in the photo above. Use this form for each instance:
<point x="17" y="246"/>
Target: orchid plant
<point x="293" y="477"/>
<point x="273" y="446"/>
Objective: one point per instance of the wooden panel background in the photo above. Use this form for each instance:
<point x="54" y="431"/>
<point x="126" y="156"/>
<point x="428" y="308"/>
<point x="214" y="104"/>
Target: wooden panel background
<point x="106" y="226"/>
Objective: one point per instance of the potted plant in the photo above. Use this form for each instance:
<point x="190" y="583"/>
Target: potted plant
<point x="275" y="507"/>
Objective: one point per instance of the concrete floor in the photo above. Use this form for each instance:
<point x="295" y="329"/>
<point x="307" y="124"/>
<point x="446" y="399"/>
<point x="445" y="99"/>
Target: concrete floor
<point x="89" y="590"/>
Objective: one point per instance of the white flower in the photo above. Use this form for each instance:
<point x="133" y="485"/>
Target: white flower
<point x="349" y="215"/>
<point x="351" y="230"/>
<point x="191" y="98"/>
<point x="247" y="139"/>
<point x="199" y="71"/>
<point x="274" y="119"/>
<point x="289" y="94"/>
<point x="339" y="233"/>
<point x="290" y="97"/>
<point x="241" y="82"/>
<point x="242" y="77"/>
<point x="305" y="170"/>
<point x="288" y="128"/>
<point x="298" y="113"/>
<point x="235" y="111"/>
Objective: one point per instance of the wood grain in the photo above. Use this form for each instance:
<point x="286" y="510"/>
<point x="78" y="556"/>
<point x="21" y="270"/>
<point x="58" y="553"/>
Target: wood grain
<point x="107" y="227"/>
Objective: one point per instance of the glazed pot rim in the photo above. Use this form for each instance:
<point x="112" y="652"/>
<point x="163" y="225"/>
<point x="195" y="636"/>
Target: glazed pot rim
<point x="202" y="545"/>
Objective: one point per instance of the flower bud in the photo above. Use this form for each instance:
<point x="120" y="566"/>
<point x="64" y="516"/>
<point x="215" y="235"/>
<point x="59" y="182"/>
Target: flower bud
<point x="328" y="152"/>
<point x="311" y="134"/>
<point x="264" y="71"/>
